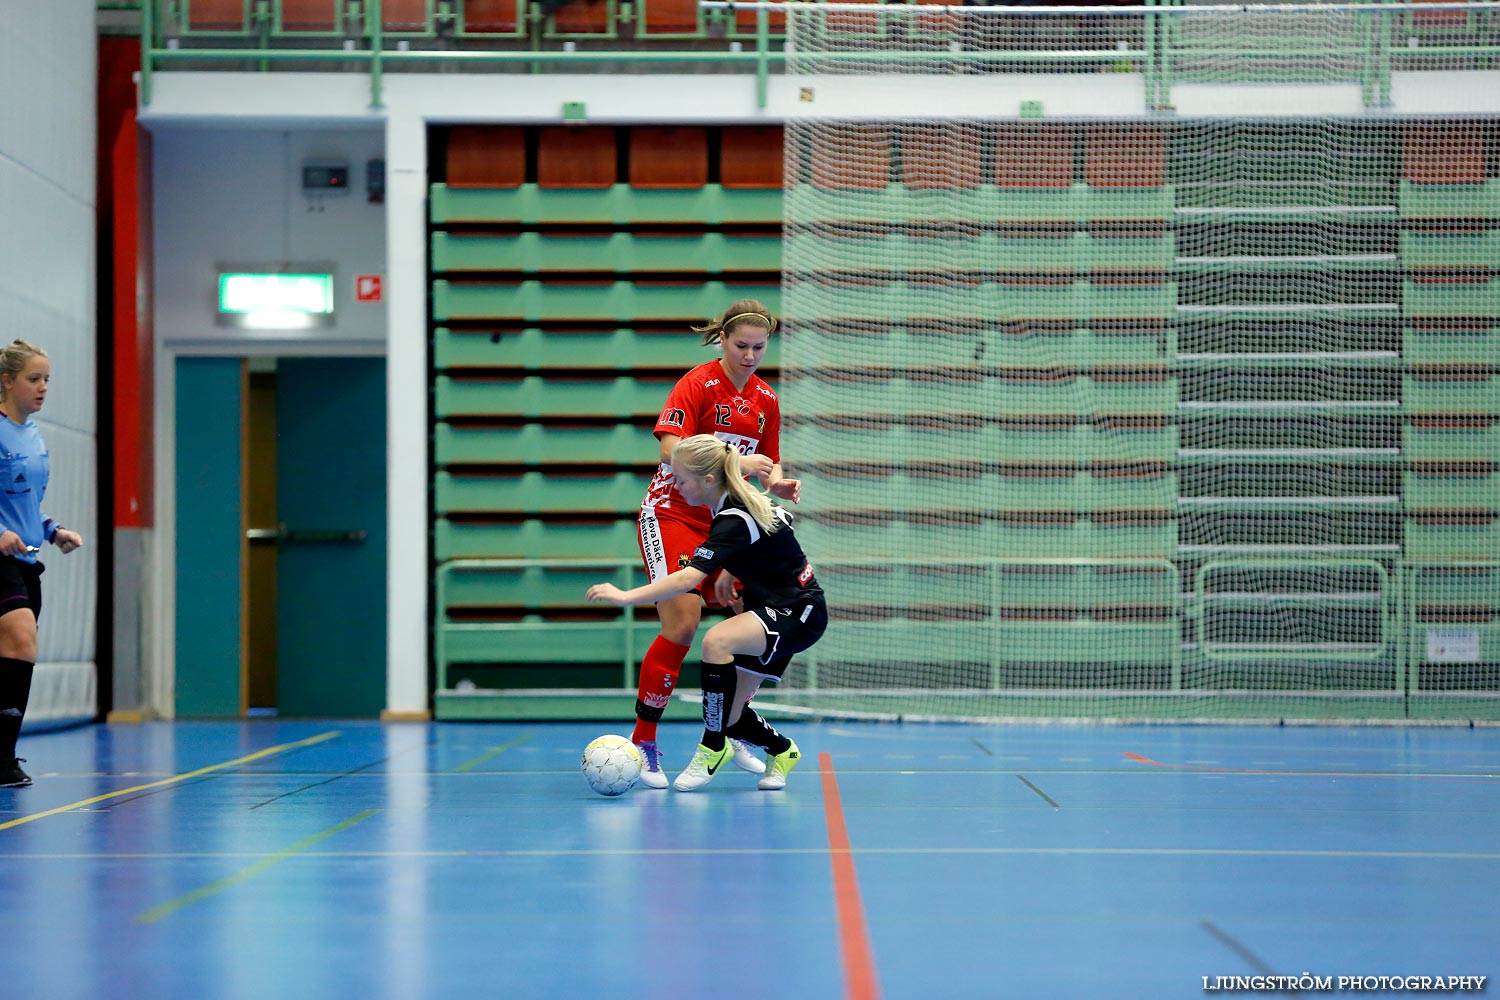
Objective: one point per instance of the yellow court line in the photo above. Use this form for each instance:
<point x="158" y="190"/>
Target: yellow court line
<point x="170" y="907"/>
<point x="267" y="752"/>
<point x="492" y="752"/>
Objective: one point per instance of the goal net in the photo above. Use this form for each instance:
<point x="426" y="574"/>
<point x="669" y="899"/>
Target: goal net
<point x="1135" y="418"/>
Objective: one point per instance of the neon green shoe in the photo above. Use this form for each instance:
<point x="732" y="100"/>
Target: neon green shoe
<point x="702" y="768"/>
<point x="777" y="768"/>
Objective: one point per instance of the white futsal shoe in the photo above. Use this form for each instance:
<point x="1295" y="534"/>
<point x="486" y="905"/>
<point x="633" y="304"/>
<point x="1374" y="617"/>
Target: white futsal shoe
<point x="745" y="760"/>
<point x="702" y="768"/>
<point x="652" y="776"/>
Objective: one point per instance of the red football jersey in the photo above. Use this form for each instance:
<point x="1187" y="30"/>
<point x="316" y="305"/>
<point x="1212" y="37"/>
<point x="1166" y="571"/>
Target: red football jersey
<point x="704" y="401"/>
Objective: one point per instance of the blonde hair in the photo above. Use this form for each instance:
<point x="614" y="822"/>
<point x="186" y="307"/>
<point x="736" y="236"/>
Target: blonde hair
<point x="715" y="329"/>
<point x="703" y="455"/>
<point x="13" y="358"/>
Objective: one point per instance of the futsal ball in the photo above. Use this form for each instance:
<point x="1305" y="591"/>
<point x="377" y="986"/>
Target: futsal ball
<point x="611" y="765"/>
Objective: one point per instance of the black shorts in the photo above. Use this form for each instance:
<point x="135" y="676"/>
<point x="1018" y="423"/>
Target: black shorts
<point x="788" y="632"/>
<point x="20" y="586"/>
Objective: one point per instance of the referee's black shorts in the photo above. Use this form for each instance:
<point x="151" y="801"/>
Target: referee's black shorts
<point x="20" y="586"/>
<point x="788" y="632"/>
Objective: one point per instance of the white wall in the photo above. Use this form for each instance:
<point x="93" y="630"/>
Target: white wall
<point x="47" y="100"/>
<point x="233" y="196"/>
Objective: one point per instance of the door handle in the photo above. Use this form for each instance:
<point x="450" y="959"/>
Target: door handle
<point x="281" y="535"/>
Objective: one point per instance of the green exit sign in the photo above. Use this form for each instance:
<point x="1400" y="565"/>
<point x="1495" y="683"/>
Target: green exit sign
<point x="275" y="301"/>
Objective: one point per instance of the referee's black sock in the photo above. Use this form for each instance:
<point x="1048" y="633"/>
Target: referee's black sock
<point x="15" y="692"/>
<point x="718" y="696"/>
<point x="753" y="729"/>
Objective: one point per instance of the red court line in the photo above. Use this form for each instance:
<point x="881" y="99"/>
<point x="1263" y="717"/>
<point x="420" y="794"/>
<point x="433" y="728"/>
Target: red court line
<point x="854" y="942"/>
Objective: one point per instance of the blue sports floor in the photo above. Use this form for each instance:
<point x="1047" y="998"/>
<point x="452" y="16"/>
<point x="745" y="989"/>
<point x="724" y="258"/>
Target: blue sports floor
<point x="275" y="860"/>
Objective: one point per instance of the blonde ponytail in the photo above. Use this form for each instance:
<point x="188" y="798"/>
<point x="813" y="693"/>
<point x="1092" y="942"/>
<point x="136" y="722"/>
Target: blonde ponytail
<point x="703" y="454"/>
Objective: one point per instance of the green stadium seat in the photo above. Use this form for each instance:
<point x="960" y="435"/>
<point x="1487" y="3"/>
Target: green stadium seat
<point x="1451" y="536"/>
<point x="537" y="253"/>
<point x="531" y="587"/>
<point x="1473" y="295"/>
<point x="539" y="640"/>
<point x="595" y="301"/>
<point x="537" y="348"/>
<point x="1451" y="389"/>
<point x="535" y="397"/>
<point x="534" y="538"/>
<point x="1452" y="439"/>
<point x="1452" y="486"/>
<point x="538" y="493"/>
<point x="539" y="444"/>
<point x="619" y="205"/>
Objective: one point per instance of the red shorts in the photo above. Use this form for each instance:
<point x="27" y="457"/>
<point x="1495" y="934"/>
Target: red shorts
<point x="667" y="545"/>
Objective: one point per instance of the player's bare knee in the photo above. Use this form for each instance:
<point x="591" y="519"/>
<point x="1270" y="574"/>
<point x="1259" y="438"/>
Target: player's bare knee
<point x="717" y="647"/>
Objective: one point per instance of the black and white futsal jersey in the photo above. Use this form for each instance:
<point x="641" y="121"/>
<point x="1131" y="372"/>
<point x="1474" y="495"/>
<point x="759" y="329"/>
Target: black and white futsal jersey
<point x="770" y="564"/>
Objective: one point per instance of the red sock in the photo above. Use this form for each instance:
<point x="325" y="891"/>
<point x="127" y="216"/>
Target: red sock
<point x="659" y="670"/>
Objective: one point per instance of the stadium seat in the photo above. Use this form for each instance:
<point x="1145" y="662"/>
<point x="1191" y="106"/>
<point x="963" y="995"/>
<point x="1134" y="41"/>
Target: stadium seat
<point x="1449" y="154"/>
<point x="1033" y="156"/>
<point x="670" y="18"/>
<point x="312" y="17"/>
<point x="486" y="156"/>
<point x="937" y="157"/>
<point x="751" y="157"/>
<point x="216" y="16"/>
<point x="589" y="18"/>
<point x="577" y="157"/>
<point x="406" y="17"/>
<point x="493" y="17"/>
<point x="854" y="157"/>
<point x="668" y="157"/>
<point x="1125" y="156"/>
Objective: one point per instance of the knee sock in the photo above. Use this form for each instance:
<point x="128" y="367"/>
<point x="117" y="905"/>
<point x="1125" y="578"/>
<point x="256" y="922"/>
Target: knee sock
<point x="15" y="692"/>
<point x="754" y="730"/>
<point x="659" y="670"/>
<point x="718" y="698"/>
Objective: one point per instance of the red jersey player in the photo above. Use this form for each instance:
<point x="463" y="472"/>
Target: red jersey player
<point x="727" y="399"/>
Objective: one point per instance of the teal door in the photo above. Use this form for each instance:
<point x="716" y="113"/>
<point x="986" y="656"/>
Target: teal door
<point x="330" y="502"/>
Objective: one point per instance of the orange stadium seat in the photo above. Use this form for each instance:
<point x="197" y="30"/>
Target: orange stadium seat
<point x="576" y="157"/>
<point x="751" y="156"/>
<point x="1444" y="154"/>
<point x="745" y="20"/>
<point x="311" y="15"/>
<point x="670" y="17"/>
<point x="583" y="17"/>
<point x="853" y="156"/>
<point x="498" y="16"/>
<point x="404" y="16"/>
<point x="1125" y="156"/>
<point x="486" y="156"/>
<point x="1033" y="156"/>
<point x="216" y="15"/>
<point x="933" y="156"/>
<point x="668" y="157"/>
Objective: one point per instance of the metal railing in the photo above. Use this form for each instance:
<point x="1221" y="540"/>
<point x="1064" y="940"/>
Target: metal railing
<point x="1361" y="43"/>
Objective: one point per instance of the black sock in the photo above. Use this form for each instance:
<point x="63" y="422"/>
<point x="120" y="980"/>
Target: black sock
<point x="10" y="730"/>
<point x="15" y="692"/>
<point x="753" y="729"/>
<point x="718" y="696"/>
<point x="15" y="682"/>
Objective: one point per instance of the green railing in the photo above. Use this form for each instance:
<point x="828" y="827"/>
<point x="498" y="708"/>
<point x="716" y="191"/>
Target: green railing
<point x="1174" y="43"/>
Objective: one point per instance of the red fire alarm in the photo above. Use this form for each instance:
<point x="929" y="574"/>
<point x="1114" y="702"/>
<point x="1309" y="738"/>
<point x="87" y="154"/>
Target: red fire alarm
<point x="367" y="287"/>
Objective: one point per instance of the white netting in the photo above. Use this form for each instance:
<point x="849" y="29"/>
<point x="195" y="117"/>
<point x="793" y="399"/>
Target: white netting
<point x="1143" y="419"/>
